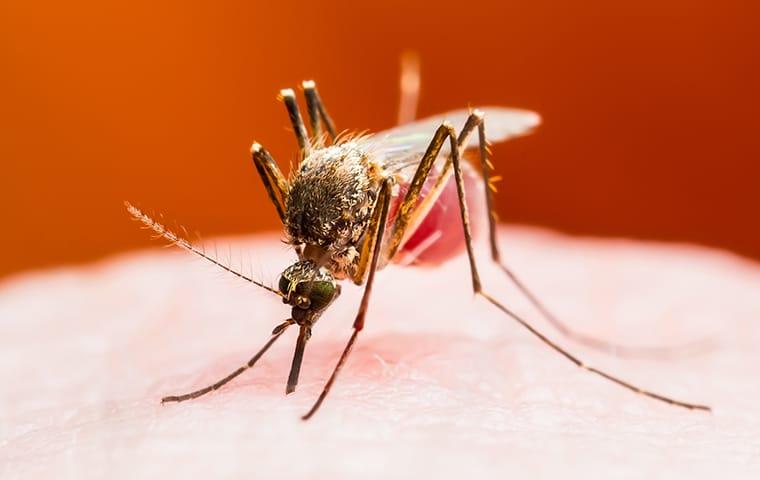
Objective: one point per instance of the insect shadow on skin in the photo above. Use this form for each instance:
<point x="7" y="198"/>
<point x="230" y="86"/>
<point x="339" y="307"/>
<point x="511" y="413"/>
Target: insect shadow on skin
<point x="354" y="203"/>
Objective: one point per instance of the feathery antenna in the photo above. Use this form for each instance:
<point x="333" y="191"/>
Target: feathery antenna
<point x="175" y="239"/>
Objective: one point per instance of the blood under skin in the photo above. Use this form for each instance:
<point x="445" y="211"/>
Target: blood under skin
<point x="440" y="236"/>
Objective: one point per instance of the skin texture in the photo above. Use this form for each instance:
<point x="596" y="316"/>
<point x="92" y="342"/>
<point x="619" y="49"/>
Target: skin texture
<point x="439" y="385"/>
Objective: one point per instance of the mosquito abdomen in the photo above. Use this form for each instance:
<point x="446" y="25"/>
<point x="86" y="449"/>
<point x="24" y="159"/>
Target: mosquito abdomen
<point x="440" y="236"/>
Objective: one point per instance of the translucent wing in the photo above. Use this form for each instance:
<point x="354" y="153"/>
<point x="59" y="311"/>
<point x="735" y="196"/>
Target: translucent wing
<point x="404" y="145"/>
<point x="400" y="149"/>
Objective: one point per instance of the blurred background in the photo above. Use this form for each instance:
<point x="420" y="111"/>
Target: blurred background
<point x="650" y="111"/>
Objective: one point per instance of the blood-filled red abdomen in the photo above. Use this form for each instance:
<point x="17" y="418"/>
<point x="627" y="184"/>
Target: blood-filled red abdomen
<point x="440" y="236"/>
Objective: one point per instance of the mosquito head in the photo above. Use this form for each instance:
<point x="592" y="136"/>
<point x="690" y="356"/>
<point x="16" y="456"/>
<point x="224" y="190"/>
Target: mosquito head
<point x="309" y="289"/>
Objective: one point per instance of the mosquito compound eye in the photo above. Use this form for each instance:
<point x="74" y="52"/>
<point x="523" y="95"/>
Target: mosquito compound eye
<point x="321" y="294"/>
<point x="302" y="302"/>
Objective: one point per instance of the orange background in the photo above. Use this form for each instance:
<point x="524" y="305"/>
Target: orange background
<point x="650" y="110"/>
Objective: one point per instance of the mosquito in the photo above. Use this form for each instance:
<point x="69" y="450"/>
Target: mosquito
<point x="355" y="203"/>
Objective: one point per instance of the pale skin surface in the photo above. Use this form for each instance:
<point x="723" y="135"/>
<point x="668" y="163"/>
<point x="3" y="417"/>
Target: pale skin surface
<point x="439" y="385"/>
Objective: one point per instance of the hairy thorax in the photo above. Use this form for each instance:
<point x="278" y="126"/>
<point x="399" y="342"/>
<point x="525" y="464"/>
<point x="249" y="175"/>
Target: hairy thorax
<point x="330" y="202"/>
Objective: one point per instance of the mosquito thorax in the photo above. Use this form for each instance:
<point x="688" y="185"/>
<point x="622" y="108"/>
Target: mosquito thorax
<point x="331" y="196"/>
<point x="309" y="289"/>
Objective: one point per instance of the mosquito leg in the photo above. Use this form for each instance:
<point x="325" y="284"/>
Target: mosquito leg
<point x="409" y="211"/>
<point x="477" y="287"/>
<point x="288" y="97"/>
<point x="317" y="111"/>
<point x="368" y="246"/>
<point x="189" y="396"/>
<point x="413" y="209"/>
<point x="477" y="120"/>
<point x="271" y="177"/>
<point x="409" y="86"/>
<point x="383" y="202"/>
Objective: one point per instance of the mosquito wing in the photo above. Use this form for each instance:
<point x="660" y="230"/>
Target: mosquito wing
<point x="401" y="147"/>
<point x="399" y="150"/>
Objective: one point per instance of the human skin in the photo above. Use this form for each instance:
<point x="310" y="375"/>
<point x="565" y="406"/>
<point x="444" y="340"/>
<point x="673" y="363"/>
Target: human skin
<point x="439" y="385"/>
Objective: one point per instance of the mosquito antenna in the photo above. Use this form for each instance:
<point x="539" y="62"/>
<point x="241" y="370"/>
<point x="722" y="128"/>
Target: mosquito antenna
<point x="175" y="239"/>
<point x="295" y="368"/>
<point x="185" y="234"/>
<point x="588" y="368"/>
